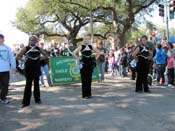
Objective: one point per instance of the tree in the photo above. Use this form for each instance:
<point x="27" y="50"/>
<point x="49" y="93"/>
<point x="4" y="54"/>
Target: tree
<point x="122" y="14"/>
<point x="53" y="18"/>
<point x="65" y="18"/>
<point x="125" y="13"/>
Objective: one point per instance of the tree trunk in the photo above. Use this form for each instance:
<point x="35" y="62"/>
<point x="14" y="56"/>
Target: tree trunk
<point x="121" y="37"/>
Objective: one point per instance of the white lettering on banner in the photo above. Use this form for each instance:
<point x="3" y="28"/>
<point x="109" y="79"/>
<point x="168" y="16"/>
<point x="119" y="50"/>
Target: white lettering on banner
<point x="65" y="61"/>
<point x="63" y="79"/>
<point x="94" y="77"/>
<point x="61" y="71"/>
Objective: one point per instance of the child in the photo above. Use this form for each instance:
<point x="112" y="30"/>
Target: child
<point x="111" y="61"/>
<point x="170" y="66"/>
<point x="123" y="63"/>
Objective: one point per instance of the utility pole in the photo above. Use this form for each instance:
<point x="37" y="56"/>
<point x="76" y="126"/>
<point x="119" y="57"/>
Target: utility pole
<point x="164" y="12"/>
<point x="166" y="3"/>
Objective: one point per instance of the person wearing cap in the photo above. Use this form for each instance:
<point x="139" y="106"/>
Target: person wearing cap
<point x="142" y="55"/>
<point x="7" y="64"/>
<point x="32" y="70"/>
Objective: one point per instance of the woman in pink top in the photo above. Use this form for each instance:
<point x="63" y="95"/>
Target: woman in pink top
<point x="170" y="65"/>
<point x="111" y="61"/>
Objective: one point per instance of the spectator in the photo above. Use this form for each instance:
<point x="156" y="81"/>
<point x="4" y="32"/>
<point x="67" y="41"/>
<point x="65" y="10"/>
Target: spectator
<point x="44" y="63"/>
<point x="7" y="64"/>
<point x="161" y="61"/>
<point x="101" y="59"/>
<point x="170" y="66"/>
<point x="123" y="62"/>
<point x="111" y="61"/>
<point x="117" y="56"/>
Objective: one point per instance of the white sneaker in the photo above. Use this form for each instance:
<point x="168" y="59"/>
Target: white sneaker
<point x="171" y="86"/>
<point x="5" y="101"/>
<point x="43" y="86"/>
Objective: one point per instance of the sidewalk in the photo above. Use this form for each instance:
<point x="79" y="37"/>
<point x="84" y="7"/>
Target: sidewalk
<point x="114" y="107"/>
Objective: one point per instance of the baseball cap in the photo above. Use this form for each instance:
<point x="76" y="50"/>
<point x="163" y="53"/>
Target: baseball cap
<point x="2" y="36"/>
<point x="144" y="36"/>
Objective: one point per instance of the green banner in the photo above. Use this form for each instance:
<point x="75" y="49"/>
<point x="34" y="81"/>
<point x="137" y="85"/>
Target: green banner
<point x="65" y="71"/>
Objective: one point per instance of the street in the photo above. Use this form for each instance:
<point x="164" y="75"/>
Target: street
<point x="114" y="107"/>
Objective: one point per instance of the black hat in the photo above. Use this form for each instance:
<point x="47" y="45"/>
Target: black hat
<point x="33" y="37"/>
<point x="144" y="36"/>
<point x="2" y="36"/>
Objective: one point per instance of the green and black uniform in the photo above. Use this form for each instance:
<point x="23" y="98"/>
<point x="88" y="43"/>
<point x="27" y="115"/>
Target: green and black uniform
<point x="32" y="73"/>
<point x="142" y="69"/>
<point x="87" y="70"/>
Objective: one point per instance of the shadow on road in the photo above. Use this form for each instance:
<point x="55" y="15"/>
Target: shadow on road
<point x="114" y="107"/>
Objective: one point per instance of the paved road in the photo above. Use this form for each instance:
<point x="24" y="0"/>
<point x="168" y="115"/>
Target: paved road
<point x="114" y="107"/>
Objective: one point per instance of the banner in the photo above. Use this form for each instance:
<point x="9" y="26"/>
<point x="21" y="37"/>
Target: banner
<point x="65" y="71"/>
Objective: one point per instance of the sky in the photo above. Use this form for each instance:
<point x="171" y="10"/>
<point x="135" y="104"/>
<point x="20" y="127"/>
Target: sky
<point x="158" y="20"/>
<point x="8" y="9"/>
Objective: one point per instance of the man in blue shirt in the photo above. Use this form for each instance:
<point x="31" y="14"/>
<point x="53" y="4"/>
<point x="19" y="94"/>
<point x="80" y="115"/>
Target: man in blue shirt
<point x="7" y="64"/>
<point x="161" y="61"/>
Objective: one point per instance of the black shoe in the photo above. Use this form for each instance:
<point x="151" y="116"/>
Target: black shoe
<point x="38" y="102"/>
<point x="147" y="91"/>
<point x="139" y="91"/>
<point x="85" y="97"/>
<point x="4" y="101"/>
<point x="23" y="106"/>
<point x="88" y="97"/>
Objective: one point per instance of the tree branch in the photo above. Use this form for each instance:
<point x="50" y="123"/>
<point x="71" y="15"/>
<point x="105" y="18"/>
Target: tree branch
<point x="73" y="3"/>
<point x="52" y="34"/>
